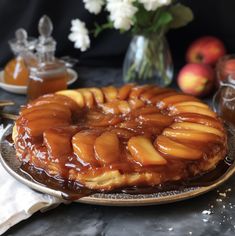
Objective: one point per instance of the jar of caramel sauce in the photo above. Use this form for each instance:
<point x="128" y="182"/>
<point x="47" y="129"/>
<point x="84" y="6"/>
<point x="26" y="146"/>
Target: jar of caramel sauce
<point x="47" y="79"/>
<point x="224" y="100"/>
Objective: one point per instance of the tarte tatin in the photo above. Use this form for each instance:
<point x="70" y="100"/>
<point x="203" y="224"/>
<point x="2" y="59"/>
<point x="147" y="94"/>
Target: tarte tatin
<point x="110" y="138"/>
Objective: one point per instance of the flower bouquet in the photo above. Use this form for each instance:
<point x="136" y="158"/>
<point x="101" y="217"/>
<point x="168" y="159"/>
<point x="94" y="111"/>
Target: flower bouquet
<point x="148" y="57"/>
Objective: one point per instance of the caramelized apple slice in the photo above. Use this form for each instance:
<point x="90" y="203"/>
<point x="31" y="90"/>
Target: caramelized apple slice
<point x="97" y="119"/>
<point x="154" y="100"/>
<point x="156" y="119"/>
<point x="38" y="126"/>
<point x="47" y="113"/>
<point x="191" y="103"/>
<point x="74" y="95"/>
<point x="124" y="107"/>
<point x="124" y="91"/>
<point x="123" y="133"/>
<point x="191" y="136"/>
<point x="83" y="145"/>
<point x="107" y="148"/>
<point x="167" y="101"/>
<point x="58" y="141"/>
<point x="88" y="97"/>
<point x="98" y="95"/>
<point x="50" y="106"/>
<point x="144" y="111"/>
<point x="110" y="107"/>
<point x="130" y="124"/>
<point x="138" y="90"/>
<point x="116" y="107"/>
<point x="143" y="152"/>
<point x="197" y="127"/>
<point x="192" y="109"/>
<point x="55" y="98"/>
<point x="136" y="103"/>
<point x="176" y="150"/>
<point x="200" y="119"/>
<point x="110" y="93"/>
<point x="146" y="96"/>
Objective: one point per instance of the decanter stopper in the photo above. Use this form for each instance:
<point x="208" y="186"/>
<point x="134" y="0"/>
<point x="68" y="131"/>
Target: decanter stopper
<point x="46" y="43"/>
<point x="21" y="42"/>
<point x="45" y="26"/>
<point x="21" y="36"/>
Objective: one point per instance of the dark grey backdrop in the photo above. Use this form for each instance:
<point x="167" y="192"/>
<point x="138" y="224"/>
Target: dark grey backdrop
<point x="215" y="17"/>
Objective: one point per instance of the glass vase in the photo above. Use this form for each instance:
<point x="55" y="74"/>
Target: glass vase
<point x="148" y="60"/>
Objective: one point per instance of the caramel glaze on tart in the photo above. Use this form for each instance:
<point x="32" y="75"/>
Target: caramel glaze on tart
<point x="110" y="138"/>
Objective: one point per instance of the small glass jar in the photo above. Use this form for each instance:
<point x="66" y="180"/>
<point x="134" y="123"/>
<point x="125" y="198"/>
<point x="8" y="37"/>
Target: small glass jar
<point x="47" y="79"/>
<point x="225" y="67"/>
<point x="224" y="99"/>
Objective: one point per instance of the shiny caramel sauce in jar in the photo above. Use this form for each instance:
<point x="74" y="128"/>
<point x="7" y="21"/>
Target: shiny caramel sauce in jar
<point x="50" y="79"/>
<point x="224" y="100"/>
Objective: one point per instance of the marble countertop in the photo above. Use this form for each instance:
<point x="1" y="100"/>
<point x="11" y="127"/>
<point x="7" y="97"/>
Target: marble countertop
<point x="210" y="214"/>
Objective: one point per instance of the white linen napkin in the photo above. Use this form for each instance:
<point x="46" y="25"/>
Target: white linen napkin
<point x="17" y="201"/>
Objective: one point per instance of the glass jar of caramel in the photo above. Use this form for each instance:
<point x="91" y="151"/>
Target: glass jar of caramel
<point x="47" y="73"/>
<point x="16" y="71"/>
<point x="224" y="99"/>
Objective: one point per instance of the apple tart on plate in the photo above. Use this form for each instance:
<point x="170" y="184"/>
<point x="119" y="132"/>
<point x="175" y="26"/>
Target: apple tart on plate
<point x="111" y="138"/>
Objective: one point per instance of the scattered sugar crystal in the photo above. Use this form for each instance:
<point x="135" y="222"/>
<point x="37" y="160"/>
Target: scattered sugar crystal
<point x="190" y="233"/>
<point x="223" y="194"/>
<point x="224" y="206"/>
<point x="170" y="229"/>
<point x="207" y="212"/>
<point x="205" y="220"/>
<point x="219" y="200"/>
<point x="229" y="190"/>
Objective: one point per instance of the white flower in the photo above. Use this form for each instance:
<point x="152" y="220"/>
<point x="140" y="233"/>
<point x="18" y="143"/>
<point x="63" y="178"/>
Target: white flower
<point x="79" y="35"/>
<point x="121" y="13"/>
<point x="94" y="6"/>
<point x="152" y="5"/>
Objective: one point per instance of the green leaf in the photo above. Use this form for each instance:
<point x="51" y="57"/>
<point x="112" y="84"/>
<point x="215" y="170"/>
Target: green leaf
<point x="181" y="14"/>
<point x="99" y="28"/>
<point x="164" y="19"/>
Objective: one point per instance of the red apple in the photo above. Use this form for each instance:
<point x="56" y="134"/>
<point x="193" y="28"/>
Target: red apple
<point x="205" y="50"/>
<point x="196" y="79"/>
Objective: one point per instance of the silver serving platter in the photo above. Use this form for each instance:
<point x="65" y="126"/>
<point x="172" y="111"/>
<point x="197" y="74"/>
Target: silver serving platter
<point x="12" y="165"/>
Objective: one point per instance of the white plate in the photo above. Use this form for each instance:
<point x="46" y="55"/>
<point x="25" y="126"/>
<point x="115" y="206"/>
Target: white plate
<point x="23" y="89"/>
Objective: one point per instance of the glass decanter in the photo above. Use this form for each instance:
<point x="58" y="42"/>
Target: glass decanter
<point x="47" y="73"/>
<point x="16" y="71"/>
